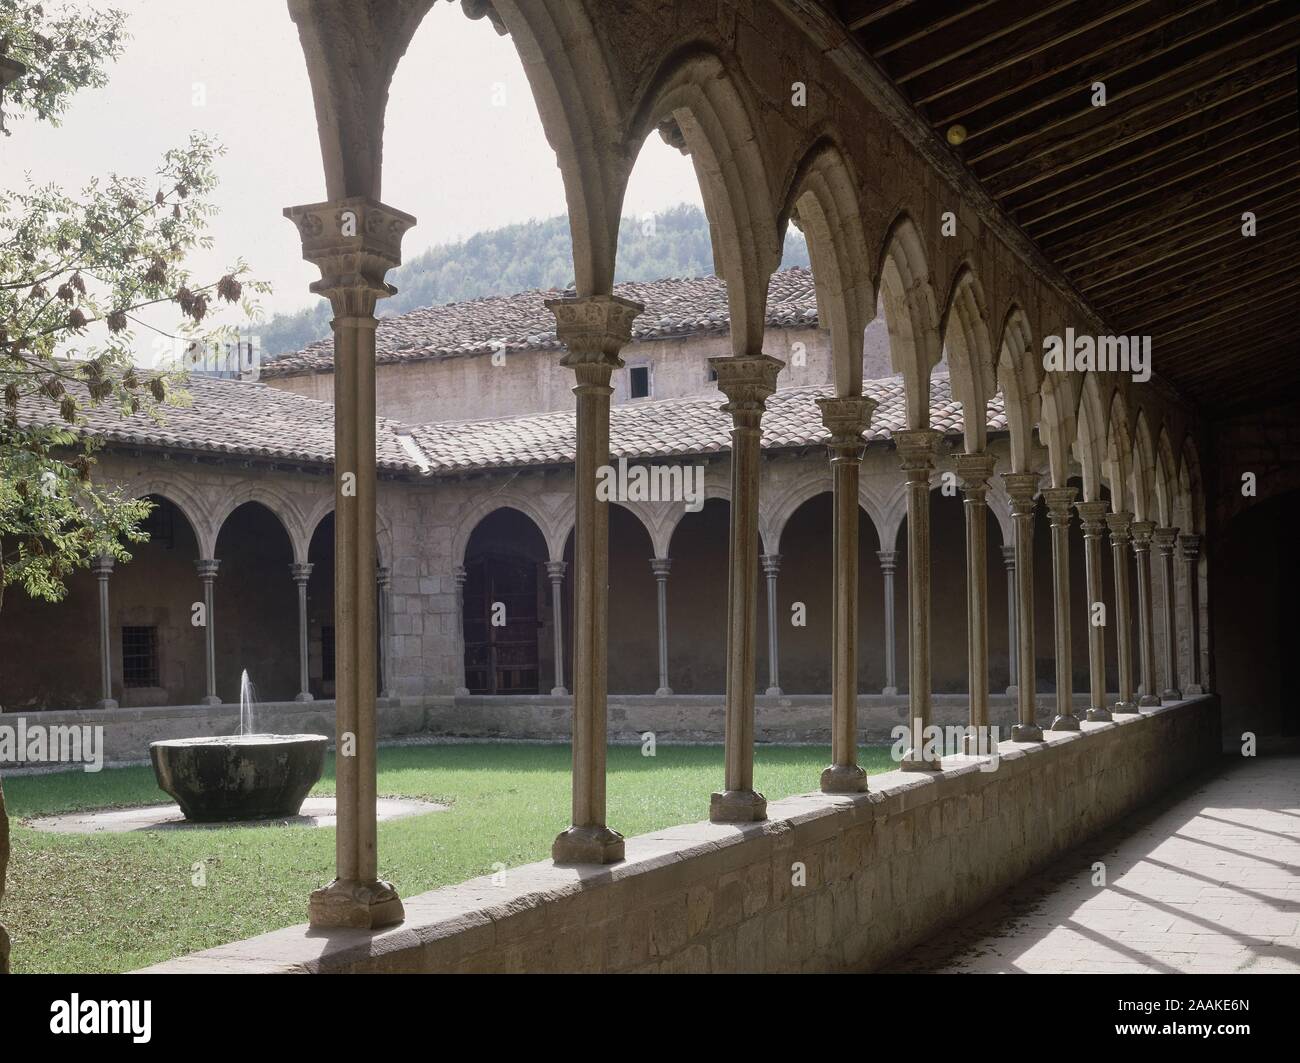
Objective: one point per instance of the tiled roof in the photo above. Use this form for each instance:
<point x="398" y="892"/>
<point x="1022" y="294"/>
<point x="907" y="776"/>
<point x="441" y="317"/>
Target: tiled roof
<point x="673" y="307"/>
<point x="227" y="417"/>
<point x="674" y="427"/>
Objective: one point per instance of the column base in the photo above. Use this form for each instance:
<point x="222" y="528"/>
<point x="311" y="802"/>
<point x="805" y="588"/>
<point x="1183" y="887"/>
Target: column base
<point x="1148" y="701"/>
<point x="587" y="845"/>
<point x="844" y="779"/>
<point x="1026" y="732"/>
<point x="1171" y="695"/>
<point x="737" y="806"/>
<point x="1099" y="716"/>
<point x="106" y="703"/>
<point x="1013" y="692"/>
<point x="912" y="762"/>
<point x="1125" y="708"/>
<point x="890" y="692"/>
<point x="460" y="692"/>
<point x="210" y="699"/>
<point x="1194" y="690"/>
<point x="981" y="743"/>
<point x="1065" y="723"/>
<point x="304" y="696"/>
<point x="664" y="692"/>
<point x="356" y="905"/>
<point x="773" y="692"/>
<point x="559" y="692"/>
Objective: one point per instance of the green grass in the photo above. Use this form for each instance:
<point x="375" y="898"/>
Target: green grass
<point x="116" y="902"/>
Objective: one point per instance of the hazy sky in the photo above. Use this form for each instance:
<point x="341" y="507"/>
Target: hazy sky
<point x="464" y="148"/>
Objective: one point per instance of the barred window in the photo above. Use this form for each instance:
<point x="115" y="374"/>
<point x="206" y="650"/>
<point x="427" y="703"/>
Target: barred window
<point x="140" y="657"/>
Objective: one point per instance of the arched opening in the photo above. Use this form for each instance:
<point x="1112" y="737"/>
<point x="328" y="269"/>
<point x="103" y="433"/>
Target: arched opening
<point x="697" y="601"/>
<point x="255" y="609"/>
<point x="506" y="605"/>
<point x="633" y="607"/>
<point x="806" y="579"/>
<point x="948" y="658"/>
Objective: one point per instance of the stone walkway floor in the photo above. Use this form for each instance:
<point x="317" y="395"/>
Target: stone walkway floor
<point x="1208" y="880"/>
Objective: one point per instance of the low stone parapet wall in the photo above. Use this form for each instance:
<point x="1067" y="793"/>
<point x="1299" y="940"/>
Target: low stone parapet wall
<point x="679" y="718"/>
<point x="827" y="883"/>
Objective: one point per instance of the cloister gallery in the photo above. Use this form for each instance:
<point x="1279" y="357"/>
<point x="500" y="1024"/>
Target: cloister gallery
<point x="921" y="520"/>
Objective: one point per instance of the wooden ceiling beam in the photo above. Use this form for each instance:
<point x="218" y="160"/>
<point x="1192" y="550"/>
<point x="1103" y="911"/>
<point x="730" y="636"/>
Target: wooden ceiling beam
<point x="1264" y="299"/>
<point x="1221" y="294"/>
<point x="912" y="24"/>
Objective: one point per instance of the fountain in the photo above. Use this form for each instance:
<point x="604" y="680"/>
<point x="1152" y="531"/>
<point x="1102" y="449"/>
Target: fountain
<point x="240" y="776"/>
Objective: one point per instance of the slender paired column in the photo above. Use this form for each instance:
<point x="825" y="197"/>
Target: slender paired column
<point x="301" y="573"/>
<point x="846" y="419"/>
<point x="1092" y="516"/>
<point x="1120" y="525"/>
<point x="661" y="566"/>
<point x="383" y="580"/>
<point x="458" y="575"/>
<point x="1059" y="500"/>
<point x="102" y="567"/>
<point x="917" y="447"/>
<point x="207" y="569"/>
<point x="1190" y="552"/>
<point x="771" y="569"/>
<point x="593" y="329"/>
<point x="1142" y="531"/>
<point x="1165" y="540"/>
<point x="1021" y="489"/>
<point x="1009" y="562"/>
<point x="888" y="566"/>
<point x="746" y="381"/>
<point x="974" y="471"/>
<point x="355" y="242"/>
<point x="555" y="573"/>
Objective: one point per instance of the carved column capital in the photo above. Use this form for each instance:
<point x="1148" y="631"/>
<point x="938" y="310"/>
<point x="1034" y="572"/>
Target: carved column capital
<point x="1009" y="555"/>
<point x="1121" y="526"/>
<point x="1189" y="548"/>
<point x="1163" y="539"/>
<point x="1142" y="531"/>
<point x="1059" y="501"/>
<point x="916" y="450"/>
<point x="846" y="418"/>
<point x="207" y="568"/>
<point x="747" y="382"/>
<point x="661" y="566"/>
<point x="888" y="560"/>
<point x="771" y="564"/>
<point x="974" y="471"/>
<point x="593" y="330"/>
<point x="354" y="242"/>
<point x="555" y="570"/>
<point x="383" y="575"/>
<point x="1021" y="487"/>
<point x="459" y="575"/>
<point x="300" y="573"/>
<point x="1092" y="516"/>
<point x="102" y="566"/>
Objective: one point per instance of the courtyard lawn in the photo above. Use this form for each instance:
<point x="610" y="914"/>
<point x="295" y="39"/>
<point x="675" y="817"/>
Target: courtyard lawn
<point x="116" y="902"/>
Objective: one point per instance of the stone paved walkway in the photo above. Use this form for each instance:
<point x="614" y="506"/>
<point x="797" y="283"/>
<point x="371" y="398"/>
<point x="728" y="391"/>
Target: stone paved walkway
<point x="1207" y="881"/>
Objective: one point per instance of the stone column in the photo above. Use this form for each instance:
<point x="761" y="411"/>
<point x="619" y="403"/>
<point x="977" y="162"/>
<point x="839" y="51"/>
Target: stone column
<point x="661" y="566"/>
<point x="1021" y="488"/>
<point x="1165" y="540"/>
<point x="1009" y="562"/>
<point x="103" y="568"/>
<point x="300" y="574"/>
<point x="593" y="329"/>
<point x="746" y="381"/>
<point x="846" y="419"/>
<point x="1142" y="530"/>
<point x="917" y="447"/>
<point x="1190" y="552"/>
<point x="1120" y="525"/>
<point x="458" y="575"/>
<point x="975" y="470"/>
<point x="771" y="569"/>
<point x="555" y="573"/>
<point x="1059" y="500"/>
<point x="207" y="569"/>
<point x="354" y="242"/>
<point x="1092" y="515"/>
<point x="383" y="579"/>
<point x="888" y="566"/>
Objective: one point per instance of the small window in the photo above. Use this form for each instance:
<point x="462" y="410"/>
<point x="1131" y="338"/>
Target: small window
<point x="140" y="657"/>
<point x="327" y="653"/>
<point x="712" y="374"/>
<point x="638" y="386"/>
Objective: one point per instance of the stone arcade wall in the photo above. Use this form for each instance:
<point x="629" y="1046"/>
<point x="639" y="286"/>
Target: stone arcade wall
<point x="884" y="870"/>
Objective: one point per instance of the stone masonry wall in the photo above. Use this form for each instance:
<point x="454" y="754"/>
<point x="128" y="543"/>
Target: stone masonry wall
<point x="882" y="871"/>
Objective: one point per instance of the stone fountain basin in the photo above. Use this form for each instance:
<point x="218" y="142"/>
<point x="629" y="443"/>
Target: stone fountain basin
<point x="235" y="777"/>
